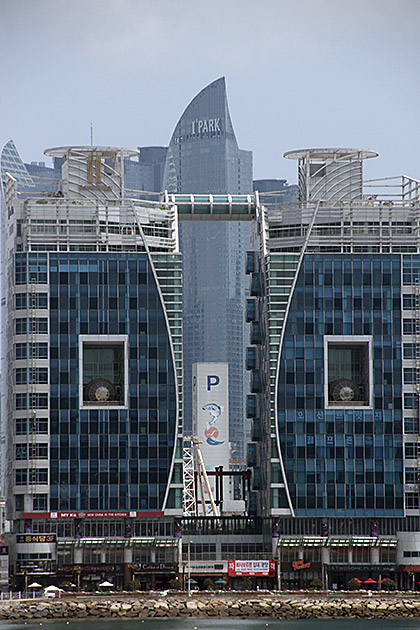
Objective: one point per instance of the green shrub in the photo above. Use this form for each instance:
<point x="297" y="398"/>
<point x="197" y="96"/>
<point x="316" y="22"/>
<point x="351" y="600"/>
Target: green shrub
<point x="388" y="585"/>
<point x="175" y="584"/>
<point x="353" y="585"/>
<point x="208" y="584"/>
<point x="316" y="584"/>
<point x="134" y="585"/>
<point x="247" y="583"/>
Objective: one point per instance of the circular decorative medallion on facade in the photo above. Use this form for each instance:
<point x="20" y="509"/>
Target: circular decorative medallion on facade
<point x="100" y="390"/>
<point x="345" y="390"/>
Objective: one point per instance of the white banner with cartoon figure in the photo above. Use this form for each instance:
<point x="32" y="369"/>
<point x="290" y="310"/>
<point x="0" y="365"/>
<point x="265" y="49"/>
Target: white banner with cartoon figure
<point x="211" y="416"/>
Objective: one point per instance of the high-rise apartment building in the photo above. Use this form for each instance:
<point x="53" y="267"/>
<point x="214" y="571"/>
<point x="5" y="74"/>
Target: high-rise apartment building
<point x="93" y="373"/>
<point x="334" y="361"/>
<point x="145" y="171"/>
<point x="93" y="370"/>
<point x="142" y="172"/>
<point x="11" y="162"/>
<point x="275" y="191"/>
<point x="204" y="157"/>
<point x="46" y="179"/>
<point x="203" y="154"/>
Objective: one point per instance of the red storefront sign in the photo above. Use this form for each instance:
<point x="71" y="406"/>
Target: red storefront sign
<point x="299" y="564"/>
<point x="251" y="567"/>
<point x="151" y="514"/>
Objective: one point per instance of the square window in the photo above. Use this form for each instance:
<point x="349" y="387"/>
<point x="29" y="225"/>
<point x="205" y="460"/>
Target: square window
<point x="38" y="350"/>
<point x="409" y="302"/>
<point x="409" y="376"/>
<point x="411" y="475"/>
<point x="348" y="370"/>
<point x="410" y="451"/>
<point x="411" y="425"/>
<point x="21" y="350"/>
<point x="21" y="376"/>
<point x="40" y="502"/>
<point x="410" y="401"/>
<point x="104" y="370"/>
<point x="21" y="477"/>
<point x="21" y="301"/>
<point x="21" y="451"/>
<point x="409" y="326"/>
<point x="21" y="326"/>
<point x="21" y="426"/>
<point x="38" y="300"/>
<point x="21" y="401"/>
<point x="39" y="425"/>
<point x="409" y="351"/>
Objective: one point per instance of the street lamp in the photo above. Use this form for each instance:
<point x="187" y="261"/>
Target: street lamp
<point x="279" y="570"/>
<point x="189" y="567"/>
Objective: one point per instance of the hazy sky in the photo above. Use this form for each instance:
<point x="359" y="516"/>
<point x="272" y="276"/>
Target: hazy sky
<point x="299" y="73"/>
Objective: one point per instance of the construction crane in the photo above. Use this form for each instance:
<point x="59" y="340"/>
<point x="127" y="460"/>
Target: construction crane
<point x="191" y="453"/>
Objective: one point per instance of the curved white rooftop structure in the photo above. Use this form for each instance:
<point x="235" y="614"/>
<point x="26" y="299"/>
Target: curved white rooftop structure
<point x="330" y="153"/>
<point x="62" y="152"/>
<point x="330" y="174"/>
<point x="93" y="171"/>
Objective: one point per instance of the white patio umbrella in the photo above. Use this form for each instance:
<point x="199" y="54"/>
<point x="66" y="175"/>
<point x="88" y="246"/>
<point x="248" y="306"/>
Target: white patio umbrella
<point x="35" y="585"/>
<point x="53" y="588"/>
<point x="106" y="584"/>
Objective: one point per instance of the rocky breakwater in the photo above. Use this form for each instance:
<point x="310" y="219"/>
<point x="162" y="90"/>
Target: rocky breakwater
<point x="236" y="605"/>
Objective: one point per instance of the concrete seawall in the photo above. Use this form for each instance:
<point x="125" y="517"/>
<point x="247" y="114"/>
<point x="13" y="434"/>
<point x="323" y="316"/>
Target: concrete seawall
<point x="279" y="606"/>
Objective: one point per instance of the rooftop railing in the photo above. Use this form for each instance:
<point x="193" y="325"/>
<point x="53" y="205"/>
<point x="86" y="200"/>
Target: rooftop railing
<point x="399" y="188"/>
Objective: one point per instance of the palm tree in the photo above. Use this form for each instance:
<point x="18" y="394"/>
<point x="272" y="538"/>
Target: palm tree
<point x="77" y="569"/>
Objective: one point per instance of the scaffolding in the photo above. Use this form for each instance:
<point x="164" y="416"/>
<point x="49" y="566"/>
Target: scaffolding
<point x="191" y="450"/>
<point x="188" y="499"/>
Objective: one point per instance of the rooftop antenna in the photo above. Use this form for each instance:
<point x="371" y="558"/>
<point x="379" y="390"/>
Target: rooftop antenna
<point x="91" y="134"/>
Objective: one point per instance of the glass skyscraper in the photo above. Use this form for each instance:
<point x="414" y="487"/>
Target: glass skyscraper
<point x="145" y="172"/>
<point x="93" y="368"/>
<point x="335" y="312"/>
<point x="204" y="157"/>
<point x="275" y="192"/>
<point x="203" y="154"/>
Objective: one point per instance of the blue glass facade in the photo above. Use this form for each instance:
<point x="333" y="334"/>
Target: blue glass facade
<point x="104" y="458"/>
<point x="204" y="157"/>
<point x="92" y="373"/>
<point x="343" y="461"/>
